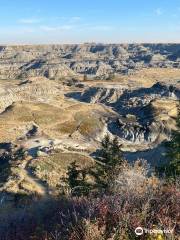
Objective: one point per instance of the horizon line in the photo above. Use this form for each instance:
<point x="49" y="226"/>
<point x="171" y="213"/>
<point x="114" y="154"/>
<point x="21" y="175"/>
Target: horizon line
<point x="85" y="43"/>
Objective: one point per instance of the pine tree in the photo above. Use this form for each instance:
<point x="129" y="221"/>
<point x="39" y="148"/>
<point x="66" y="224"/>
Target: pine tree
<point x="76" y="180"/>
<point x="173" y="168"/>
<point x="72" y="175"/>
<point x="107" y="164"/>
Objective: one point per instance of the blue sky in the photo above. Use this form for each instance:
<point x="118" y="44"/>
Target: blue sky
<point x="78" y="21"/>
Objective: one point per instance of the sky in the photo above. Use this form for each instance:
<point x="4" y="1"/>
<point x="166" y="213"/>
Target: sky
<point x="79" y="21"/>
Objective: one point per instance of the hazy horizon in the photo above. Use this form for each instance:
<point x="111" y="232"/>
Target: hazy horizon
<point x="76" y="22"/>
<point x="83" y="43"/>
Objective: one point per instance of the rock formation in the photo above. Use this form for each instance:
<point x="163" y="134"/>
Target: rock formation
<point x="57" y="103"/>
<point x="95" y="60"/>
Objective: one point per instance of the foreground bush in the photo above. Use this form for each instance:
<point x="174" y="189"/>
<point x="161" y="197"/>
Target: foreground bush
<point x="96" y="218"/>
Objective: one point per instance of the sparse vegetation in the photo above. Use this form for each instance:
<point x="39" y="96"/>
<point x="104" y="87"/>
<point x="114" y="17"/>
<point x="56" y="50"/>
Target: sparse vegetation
<point x="53" y="167"/>
<point x="120" y="198"/>
<point x="105" y="170"/>
<point x="113" y="216"/>
<point x="59" y="179"/>
<point x="172" y="169"/>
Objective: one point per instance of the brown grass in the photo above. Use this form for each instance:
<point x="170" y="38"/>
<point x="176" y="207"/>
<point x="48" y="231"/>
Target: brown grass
<point x="53" y="121"/>
<point x="145" y="77"/>
<point x="54" y="167"/>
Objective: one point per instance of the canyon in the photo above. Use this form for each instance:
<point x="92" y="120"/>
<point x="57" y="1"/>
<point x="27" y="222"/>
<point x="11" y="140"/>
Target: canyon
<point x="58" y="102"/>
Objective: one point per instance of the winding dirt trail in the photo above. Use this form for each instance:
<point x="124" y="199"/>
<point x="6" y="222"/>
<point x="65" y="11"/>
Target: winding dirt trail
<point x="40" y="186"/>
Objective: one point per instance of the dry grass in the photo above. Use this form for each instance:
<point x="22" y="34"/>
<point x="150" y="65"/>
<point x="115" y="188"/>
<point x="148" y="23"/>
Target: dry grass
<point x="90" y="123"/>
<point x="145" y="77"/>
<point x="54" y="167"/>
<point x="170" y="107"/>
<point x="53" y="121"/>
<point x="148" y="76"/>
<point x="67" y="127"/>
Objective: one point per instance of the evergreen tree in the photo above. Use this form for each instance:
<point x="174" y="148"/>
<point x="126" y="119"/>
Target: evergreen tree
<point x="108" y="163"/>
<point x="72" y="175"/>
<point x="76" y="180"/>
<point x="105" y="170"/>
<point x="173" y="168"/>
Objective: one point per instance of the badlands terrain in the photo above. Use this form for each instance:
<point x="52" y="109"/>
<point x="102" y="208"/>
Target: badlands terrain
<point x="58" y="102"/>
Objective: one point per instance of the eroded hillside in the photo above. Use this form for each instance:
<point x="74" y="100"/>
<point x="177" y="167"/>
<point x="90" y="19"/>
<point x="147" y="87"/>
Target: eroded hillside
<point x="54" y="120"/>
<point x="95" y="60"/>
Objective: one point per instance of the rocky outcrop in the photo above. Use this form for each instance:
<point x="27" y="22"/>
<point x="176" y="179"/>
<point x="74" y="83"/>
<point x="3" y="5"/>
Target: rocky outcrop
<point x="39" y="91"/>
<point x="105" y="95"/>
<point x="127" y="101"/>
<point x="57" y="122"/>
<point x="145" y="114"/>
<point x="96" y="60"/>
<point x="147" y="133"/>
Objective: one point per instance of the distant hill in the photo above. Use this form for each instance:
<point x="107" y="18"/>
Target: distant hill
<point x="93" y="60"/>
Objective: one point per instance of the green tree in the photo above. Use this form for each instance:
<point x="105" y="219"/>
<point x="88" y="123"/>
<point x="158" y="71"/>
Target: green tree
<point x="104" y="172"/>
<point x="76" y="180"/>
<point x="108" y="163"/>
<point x="72" y="175"/>
<point x="173" y="168"/>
